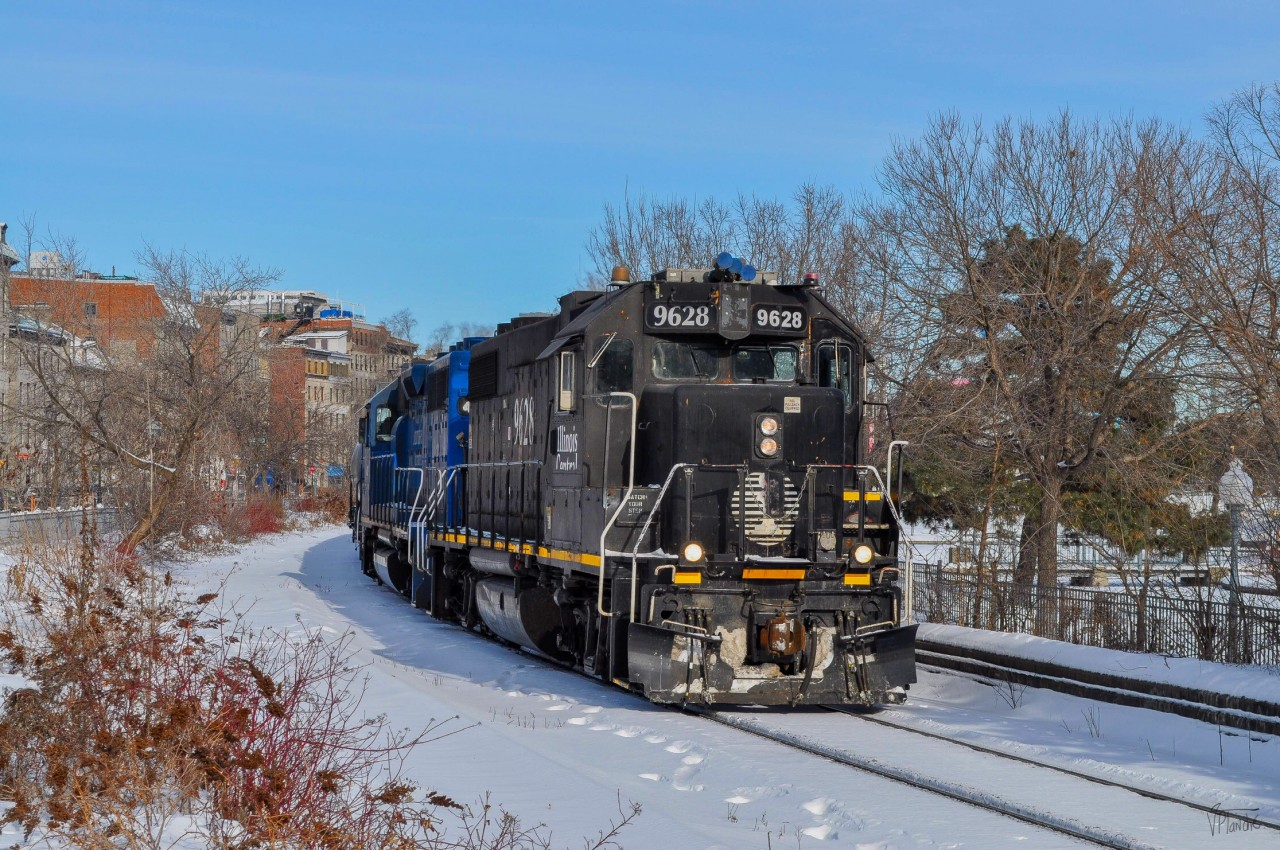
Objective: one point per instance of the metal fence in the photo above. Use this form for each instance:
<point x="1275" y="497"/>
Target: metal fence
<point x="1164" y="619"/>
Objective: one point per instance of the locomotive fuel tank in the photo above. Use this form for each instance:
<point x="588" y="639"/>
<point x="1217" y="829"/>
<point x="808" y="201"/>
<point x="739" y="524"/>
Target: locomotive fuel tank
<point x="529" y="616"/>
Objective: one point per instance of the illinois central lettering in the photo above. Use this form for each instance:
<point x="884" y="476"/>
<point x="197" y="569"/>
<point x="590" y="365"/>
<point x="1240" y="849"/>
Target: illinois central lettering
<point x="566" y="448"/>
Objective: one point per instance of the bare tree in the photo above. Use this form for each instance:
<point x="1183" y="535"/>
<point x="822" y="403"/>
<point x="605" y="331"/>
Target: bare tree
<point x="447" y="333"/>
<point x="1230" y="286"/>
<point x="1029" y="258"/>
<point x="153" y="405"/>
<point x="806" y="235"/>
<point x="401" y="323"/>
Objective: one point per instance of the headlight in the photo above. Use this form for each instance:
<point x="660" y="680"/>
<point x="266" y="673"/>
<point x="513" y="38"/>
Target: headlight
<point x="693" y="552"/>
<point x="768" y="447"/>
<point x="768" y="426"/>
<point x="863" y="554"/>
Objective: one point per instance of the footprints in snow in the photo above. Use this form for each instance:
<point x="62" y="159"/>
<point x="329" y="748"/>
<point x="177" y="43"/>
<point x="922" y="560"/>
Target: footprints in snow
<point x="685" y="775"/>
<point x="828" y="815"/>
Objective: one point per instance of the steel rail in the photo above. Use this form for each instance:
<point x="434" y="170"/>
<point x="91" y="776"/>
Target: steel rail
<point x="1089" y="777"/>
<point x="1093" y="835"/>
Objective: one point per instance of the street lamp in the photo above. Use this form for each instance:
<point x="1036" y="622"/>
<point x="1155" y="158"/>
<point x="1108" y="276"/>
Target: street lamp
<point x="1235" y="489"/>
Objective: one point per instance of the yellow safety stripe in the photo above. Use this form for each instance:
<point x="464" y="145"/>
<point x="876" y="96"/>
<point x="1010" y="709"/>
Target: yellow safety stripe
<point x="855" y="496"/>
<point x="783" y="574"/>
<point x="584" y="558"/>
<point x="589" y="560"/>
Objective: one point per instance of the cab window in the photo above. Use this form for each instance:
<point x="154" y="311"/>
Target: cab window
<point x="385" y="421"/>
<point x="613" y="366"/>
<point x="835" y="369"/>
<point x="680" y="361"/>
<point x="765" y="363"/>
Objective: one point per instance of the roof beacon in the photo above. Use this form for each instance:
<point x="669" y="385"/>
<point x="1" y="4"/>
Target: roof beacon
<point x="729" y="268"/>
<point x="810" y="279"/>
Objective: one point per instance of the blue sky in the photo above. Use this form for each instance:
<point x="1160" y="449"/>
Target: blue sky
<point x="451" y="157"/>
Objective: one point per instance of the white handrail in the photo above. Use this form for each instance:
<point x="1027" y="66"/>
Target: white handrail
<point x="422" y="477"/>
<point x="635" y="550"/>
<point x="631" y="486"/>
<point x="888" y="469"/>
<point x="909" y="583"/>
<point x="433" y="497"/>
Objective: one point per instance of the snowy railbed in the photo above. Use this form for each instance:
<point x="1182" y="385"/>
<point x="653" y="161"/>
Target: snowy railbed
<point x="556" y="747"/>
<point x="1260" y="683"/>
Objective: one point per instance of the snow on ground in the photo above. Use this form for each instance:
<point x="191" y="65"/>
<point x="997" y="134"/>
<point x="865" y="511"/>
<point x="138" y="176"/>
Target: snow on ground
<point x="1238" y="680"/>
<point x="557" y="747"/>
<point x="1160" y="752"/>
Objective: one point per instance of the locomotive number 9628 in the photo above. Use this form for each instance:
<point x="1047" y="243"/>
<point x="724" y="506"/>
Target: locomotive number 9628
<point x="681" y="315"/>
<point x="773" y="318"/>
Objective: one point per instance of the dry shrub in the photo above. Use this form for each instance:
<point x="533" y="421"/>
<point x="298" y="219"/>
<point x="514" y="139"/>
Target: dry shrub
<point x="238" y="521"/>
<point x="332" y="505"/>
<point x="151" y="717"/>
<point x="264" y="515"/>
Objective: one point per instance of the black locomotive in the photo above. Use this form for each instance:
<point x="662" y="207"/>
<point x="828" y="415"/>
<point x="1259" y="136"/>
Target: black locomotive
<point x="662" y="485"/>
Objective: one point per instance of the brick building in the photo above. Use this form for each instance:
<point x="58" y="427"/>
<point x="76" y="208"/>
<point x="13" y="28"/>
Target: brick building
<point x="313" y="362"/>
<point x="329" y="360"/>
<point x="122" y="314"/>
<point x="371" y="354"/>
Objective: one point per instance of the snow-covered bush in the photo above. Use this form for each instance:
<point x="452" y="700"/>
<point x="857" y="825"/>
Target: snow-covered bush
<point x="138" y="716"/>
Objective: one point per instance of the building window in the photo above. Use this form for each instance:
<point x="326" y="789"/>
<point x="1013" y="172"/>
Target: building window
<point x="90" y="309"/>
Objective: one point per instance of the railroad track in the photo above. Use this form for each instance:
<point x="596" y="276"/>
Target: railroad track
<point x="1237" y="712"/>
<point x="1040" y="817"/>
<point x="1202" y="816"/>
<point x="1089" y="777"/>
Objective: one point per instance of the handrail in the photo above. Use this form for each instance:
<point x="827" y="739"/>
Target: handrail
<point x="433" y="502"/>
<point x="908" y="611"/>
<point x="631" y="486"/>
<point x="888" y="471"/>
<point x="437" y="494"/>
<point x="422" y="478"/>
<point x="635" y="550"/>
<point x="381" y="486"/>
<point x="427" y="510"/>
<point x="496" y="463"/>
